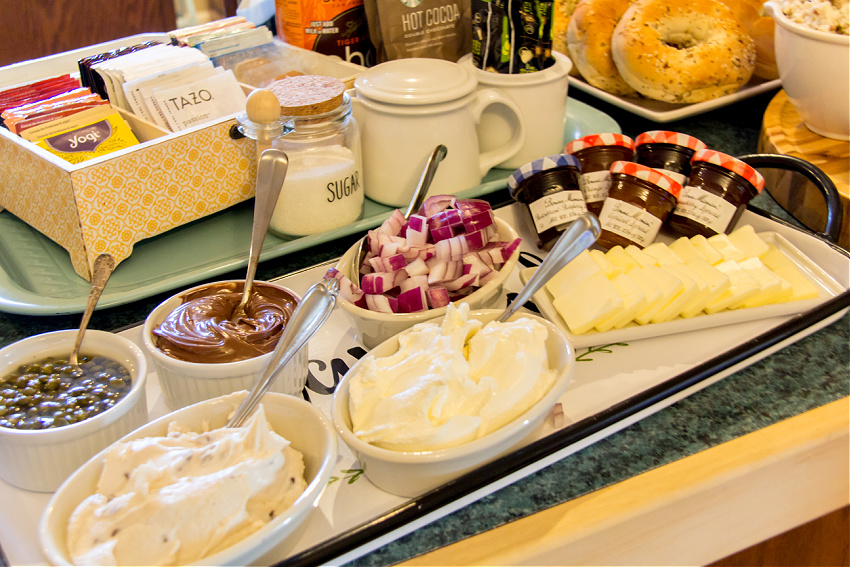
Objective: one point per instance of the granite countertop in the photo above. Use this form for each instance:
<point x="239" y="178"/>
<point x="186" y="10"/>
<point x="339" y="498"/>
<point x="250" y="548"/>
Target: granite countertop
<point x="800" y="377"/>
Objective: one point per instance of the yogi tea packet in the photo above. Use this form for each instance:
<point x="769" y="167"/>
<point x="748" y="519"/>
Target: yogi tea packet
<point x="512" y="36"/>
<point x="98" y="138"/>
<point x="439" y="29"/>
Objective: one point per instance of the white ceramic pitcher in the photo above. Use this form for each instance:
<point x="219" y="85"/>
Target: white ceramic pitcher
<point x="406" y="107"/>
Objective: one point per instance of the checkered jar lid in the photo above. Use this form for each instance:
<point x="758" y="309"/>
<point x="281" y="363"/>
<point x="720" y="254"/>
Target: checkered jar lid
<point x="668" y="137"/>
<point x="649" y="174"/>
<point x="538" y="165"/>
<point x="594" y="140"/>
<point x="732" y="164"/>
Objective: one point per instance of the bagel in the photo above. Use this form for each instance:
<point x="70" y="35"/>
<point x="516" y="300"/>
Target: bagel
<point x="685" y="51"/>
<point x="589" y="42"/>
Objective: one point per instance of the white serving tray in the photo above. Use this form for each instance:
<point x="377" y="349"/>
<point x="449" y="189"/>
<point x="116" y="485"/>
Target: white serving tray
<point x="354" y="517"/>
<point x="826" y="284"/>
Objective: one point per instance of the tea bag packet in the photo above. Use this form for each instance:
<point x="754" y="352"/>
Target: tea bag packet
<point x="139" y="92"/>
<point x="93" y="139"/>
<point x="200" y="101"/>
<point x="236" y="41"/>
<point x="512" y="37"/>
<point x="191" y="34"/>
<point x="65" y="123"/>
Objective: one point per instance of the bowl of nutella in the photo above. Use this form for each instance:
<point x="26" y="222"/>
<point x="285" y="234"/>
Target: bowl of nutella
<point x="186" y="489"/>
<point x="449" y="395"/>
<point x="199" y="352"/>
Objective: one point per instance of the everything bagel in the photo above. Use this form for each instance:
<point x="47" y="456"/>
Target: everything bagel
<point x="684" y="51"/>
<point x="589" y="42"/>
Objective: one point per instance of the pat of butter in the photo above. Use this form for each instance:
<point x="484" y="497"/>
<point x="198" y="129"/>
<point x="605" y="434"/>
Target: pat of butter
<point x="750" y="243"/>
<point x="575" y="272"/>
<point x="700" y="243"/>
<point x="717" y="282"/>
<point x="741" y="286"/>
<point x="633" y="300"/>
<point x="617" y="255"/>
<point x="670" y="287"/>
<point x="801" y="286"/>
<point x="650" y="290"/>
<point x="588" y="303"/>
<point x="638" y="256"/>
<point x="724" y="246"/>
<point x="704" y="292"/>
<point x="662" y="254"/>
<point x="774" y="288"/>
<point x="685" y="250"/>
<point x="690" y="290"/>
<point x="608" y="268"/>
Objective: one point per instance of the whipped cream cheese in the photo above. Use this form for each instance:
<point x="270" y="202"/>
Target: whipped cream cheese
<point x="176" y="499"/>
<point x="450" y="383"/>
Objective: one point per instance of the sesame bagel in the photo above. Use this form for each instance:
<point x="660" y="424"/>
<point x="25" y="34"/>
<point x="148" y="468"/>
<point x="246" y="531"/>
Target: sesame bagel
<point x="589" y="42"/>
<point x="684" y="51"/>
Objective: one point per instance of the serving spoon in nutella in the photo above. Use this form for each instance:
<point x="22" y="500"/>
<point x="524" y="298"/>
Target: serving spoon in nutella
<point x="271" y="172"/>
<point x="102" y="268"/>
<point x="312" y="312"/>
<point x="578" y="236"/>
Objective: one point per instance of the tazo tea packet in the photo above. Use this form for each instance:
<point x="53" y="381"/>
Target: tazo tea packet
<point x="194" y="103"/>
<point x="92" y="140"/>
<point x="139" y="92"/>
<point x="439" y="29"/>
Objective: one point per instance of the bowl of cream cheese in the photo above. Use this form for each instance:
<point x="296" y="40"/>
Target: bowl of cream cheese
<point x="448" y="396"/>
<point x="185" y="489"/>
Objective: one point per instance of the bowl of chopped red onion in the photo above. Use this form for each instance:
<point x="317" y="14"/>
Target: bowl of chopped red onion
<point x="452" y="249"/>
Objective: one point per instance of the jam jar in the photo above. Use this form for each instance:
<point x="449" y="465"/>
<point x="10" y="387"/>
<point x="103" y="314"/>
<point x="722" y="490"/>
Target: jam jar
<point x="671" y="152"/>
<point x="715" y="195"/>
<point x="596" y="153"/>
<point x="638" y="203"/>
<point x="551" y="198"/>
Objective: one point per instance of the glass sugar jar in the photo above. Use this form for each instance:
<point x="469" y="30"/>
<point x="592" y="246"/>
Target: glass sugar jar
<point x="715" y="195"/>
<point x="596" y="153"/>
<point x="639" y="201"/>
<point x="323" y="188"/>
<point x="548" y="189"/>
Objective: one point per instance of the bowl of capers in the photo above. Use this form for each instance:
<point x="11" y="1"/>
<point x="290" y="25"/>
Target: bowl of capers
<point x="54" y="416"/>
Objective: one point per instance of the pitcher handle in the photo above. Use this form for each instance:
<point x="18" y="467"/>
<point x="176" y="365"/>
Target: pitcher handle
<point x="489" y="159"/>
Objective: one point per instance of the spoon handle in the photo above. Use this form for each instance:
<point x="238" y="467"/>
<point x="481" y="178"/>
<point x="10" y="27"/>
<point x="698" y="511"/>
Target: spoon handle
<point x="581" y="233"/>
<point x="425" y="180"/>
<point x="271" y="172"/>
<point x="311" y="313"/>
<point x="102" y="268"/>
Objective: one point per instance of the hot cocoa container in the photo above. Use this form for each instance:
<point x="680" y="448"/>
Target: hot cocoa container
<point x="551" y="198"/>
<point x="671" y="152"/>
<point x="716" y="193"/>
<point x="639" y="201"/>
<point x="596" y="153"/>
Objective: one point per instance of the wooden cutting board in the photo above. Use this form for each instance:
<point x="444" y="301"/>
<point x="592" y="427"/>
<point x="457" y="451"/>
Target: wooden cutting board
<point x="783" y="132"/>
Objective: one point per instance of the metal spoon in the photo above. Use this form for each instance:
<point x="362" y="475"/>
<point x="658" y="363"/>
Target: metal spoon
<point x="271" y="172"/>
<point x="312" y="311"/>
<point x="102" y="268"/>
<point x="416" y="200"/>
<point x="581" y="233"/>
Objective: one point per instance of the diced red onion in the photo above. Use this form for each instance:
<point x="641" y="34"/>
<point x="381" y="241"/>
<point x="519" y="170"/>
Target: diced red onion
<point x="437" y="297"/>
<point x="436" y="203"/>
<point x="347" y="289"/>
<point x="417" y="267"/>
<point x="417" y="231"/>
<point x="412" y="300"/>
<point x="414" y="281"/>
<point x="478" y="221"/>
<point x="462" y="282"/>
<point x="377" y="283"/>
<point x="382" y="303"/>
<point x="392" y="224"/>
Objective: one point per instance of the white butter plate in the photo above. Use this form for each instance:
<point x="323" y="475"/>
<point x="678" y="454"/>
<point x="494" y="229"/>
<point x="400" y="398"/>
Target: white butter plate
<point x="659" y="111"/>
<point x="827" y="288"/>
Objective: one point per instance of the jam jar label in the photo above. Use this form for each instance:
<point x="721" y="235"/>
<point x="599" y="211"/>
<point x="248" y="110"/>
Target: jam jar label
<point x="629" y="221"/>
<point x="705" y="208"/>
<point x="556" y="209"/>
<point x="595" y="185"/>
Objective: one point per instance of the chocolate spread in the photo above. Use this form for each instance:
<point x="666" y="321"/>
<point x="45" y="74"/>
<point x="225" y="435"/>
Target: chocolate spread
<point x="201" y="330"/>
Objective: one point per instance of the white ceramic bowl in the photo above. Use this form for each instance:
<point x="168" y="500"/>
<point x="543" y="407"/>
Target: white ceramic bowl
<point x="40" y="460"/>
<point x="413" y="473"/>
<point x="374" y="328"/>
<point x="184" y="383"/>
<point x="305" y="426"/>
<point x="814" y="68"/>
